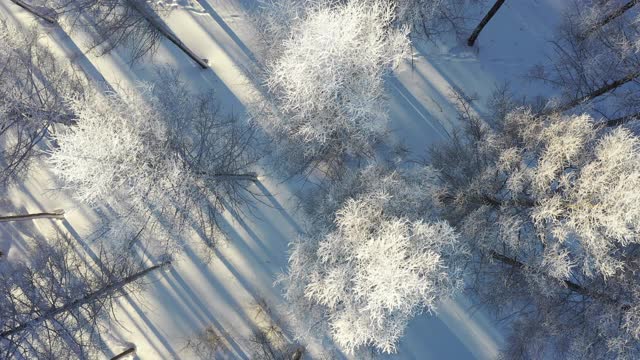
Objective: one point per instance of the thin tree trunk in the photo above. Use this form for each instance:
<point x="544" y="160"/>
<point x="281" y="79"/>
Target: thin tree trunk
<point x="130" y="350"/>
<point x="34" y="11"/>
<point x="609" y="18"/>
<point x="248" y="176"/>
<point x="484" y="22"/>
<point x="56" y="214"/>
<point x="168" y="34"/>
<point x="601" y="91"/>
<point x="89" y="298"/>
<point x="578" y="289"/>
<point x="235" y="177"/>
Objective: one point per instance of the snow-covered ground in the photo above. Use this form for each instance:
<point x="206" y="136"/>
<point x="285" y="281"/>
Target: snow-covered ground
<point x="194" y="294"/>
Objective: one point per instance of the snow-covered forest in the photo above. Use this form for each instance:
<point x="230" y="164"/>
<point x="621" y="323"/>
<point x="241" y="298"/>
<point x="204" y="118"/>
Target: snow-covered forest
<point x="319" y="179"/>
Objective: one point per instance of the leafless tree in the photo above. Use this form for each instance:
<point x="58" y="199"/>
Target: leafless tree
<point x="55" y="305"/>
<point x="603" y="18"/>
<point x="33" y="87"/>
<point x="162" y="150"/>
<point x="595" y="60"/>
<point x="135" y="24"/>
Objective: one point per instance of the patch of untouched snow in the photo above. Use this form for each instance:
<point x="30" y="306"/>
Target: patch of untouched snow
<point x="193" y="294"/>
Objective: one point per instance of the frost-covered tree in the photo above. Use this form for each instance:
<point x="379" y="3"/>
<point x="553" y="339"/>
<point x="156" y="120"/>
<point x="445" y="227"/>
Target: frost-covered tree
<point x="54" y="305"/>
<point x="325" y="79"/>
<point x="412" y="191"/>
<point x="549" y="206"/>
<point x="595" y="59"/>
<point x="162" y="149"/>
<point x="376" y="266"/>
<point x="33" y="86"/>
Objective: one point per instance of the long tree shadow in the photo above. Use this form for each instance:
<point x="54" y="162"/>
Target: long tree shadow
<point x="195" y="300"/>
<point x="15" y="232"/>
<point x="415" y="126"/>
<point x="419" y="109"/>
<point x="247" y="287"/>
<point x="76" y="55"/>
<point x="229" y="230"/>
<point x="18" y="231"/>
<point x="276" y="205"/>
<point x="451" y="73"/>
<point x="214" y="14"/>
<point x="429" y="338"/>
<point x="273" y="255"/>
<point x="177" y="282"/>
<point x="442" y="100"/>
<point x="87" y="249"/>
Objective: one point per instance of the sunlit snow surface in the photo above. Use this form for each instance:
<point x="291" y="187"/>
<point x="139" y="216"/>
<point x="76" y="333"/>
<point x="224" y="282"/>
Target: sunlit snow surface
<point x="193" y="295"/>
